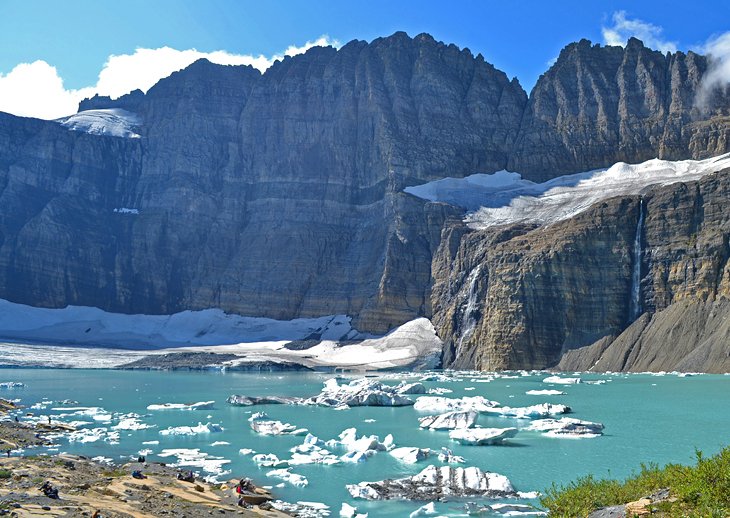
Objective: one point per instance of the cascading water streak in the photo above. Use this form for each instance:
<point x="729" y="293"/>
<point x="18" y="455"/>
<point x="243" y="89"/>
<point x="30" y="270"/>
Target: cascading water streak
<point x="635" y="304"/>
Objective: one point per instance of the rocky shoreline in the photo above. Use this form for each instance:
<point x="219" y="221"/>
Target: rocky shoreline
<point x="89" y="488"/>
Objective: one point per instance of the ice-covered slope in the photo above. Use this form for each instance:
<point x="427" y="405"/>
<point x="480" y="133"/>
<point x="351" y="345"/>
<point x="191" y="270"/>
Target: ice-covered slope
<point x="504" y="197"/>
<point x="113" y="122"/>
<point x="85" y="325"/>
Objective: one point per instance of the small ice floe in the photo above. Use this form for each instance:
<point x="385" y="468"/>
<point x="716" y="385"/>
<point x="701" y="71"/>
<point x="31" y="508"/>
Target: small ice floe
<point x="202" y="405"/>
<point x="530" y="412"/>
<point x="131" y="423"/>
<point x="246" y="451"/>
<point x="444" y="404"/>
<point x="145" y="452"/>
<point x="482" y="436"/>
<point x="286" y="475"/>
<point x="88" y="435"/>
<point x="362" y="392"/>
<point x="151" y="443"/>
<point x="516" y="510"/>
<point x="547" y="392"/>
<point x="312" y="451"/>
<point x="557" y="380"/>
<point x="470" y="388"/>
<point x="220" y="443"/>
<point x="126" y="210"/>
<point x="269" y="460"/>
<point x="448" y="456"/>
<point x="263" y="426"/>
<point x="369" y="420"/>
<point x="359" y="449"/>
<point x="449" y="420"/>
<point x="567" y="427"/>
<point x="11" y="385"/>
<point x="410" y="455"/>
<point x="198" y="459"/>
<point x="348" y="511"/>
<point x="410" y="388"/>
<point x="435" y="483"/>
<point x="192" y="430"/>
<point x="302" y="509"/>
<point x="438" y="377"/>
<point x="597" y="382"/>
<point x="439" y="391"/>
<point x="41" y="405"/>
<point x="425" y="510"/>
<point x="474" y="509"/>
<point x="239" y="400"/>
<point x="102" y="460"/>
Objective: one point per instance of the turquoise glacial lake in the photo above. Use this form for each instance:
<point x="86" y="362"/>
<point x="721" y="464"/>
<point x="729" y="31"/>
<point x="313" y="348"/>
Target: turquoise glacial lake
<point x="647" y="419"/>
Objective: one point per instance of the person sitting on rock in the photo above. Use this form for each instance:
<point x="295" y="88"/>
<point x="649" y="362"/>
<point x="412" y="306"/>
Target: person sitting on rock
<point x="138" y="474"/>
<point x="186" y="476"/>
<point x="141" y="459"/>
<point x="49" y="490"/>
<point x="245" y="485"/>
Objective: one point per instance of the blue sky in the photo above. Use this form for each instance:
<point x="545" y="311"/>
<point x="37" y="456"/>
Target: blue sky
<point x="78" y="36"/>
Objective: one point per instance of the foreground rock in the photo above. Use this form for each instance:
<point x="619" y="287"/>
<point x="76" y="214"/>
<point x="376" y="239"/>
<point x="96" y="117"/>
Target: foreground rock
<point x="86" y="487"/>
<point x="567" y="427"/>
<point x="482" y="436"/>
<point x="437" y="483"/>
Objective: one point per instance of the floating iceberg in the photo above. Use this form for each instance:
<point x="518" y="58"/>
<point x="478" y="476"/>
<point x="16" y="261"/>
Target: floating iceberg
<point x="557" y="380"/>
<point x="435" y="483"/>
<point x="482" y="436"/>
<point x="444" y="404"/>
<point x="530" y="412"/>
<point x="449" y="420"/>
<point x="567" y="427"/>
<point x="192" y="430"/>
<point x="266" y="427"/>
<point x="287" y="476"/>
<point x="548" y="392"/>
<point x="410" y="455"/>
<point x="363" y="392"/>
<point x="202" y="405"/>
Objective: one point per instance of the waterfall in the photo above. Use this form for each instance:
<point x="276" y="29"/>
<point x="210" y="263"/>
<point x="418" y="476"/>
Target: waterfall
<point x="469" y="321"/>
<point x="635" y="304"/>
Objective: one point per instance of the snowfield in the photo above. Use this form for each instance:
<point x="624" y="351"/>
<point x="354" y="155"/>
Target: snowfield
<point x="503" y="197"/>
<point x="113" y="122"/>
<point x="85" y="337"/>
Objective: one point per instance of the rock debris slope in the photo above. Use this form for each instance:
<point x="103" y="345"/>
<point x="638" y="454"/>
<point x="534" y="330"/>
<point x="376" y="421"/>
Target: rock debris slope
<point x="281" y="195"/>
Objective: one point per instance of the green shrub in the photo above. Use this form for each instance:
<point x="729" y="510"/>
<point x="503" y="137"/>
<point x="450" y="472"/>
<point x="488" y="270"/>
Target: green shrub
<point x="701" y="490"/>
<point x="5" y="473"/>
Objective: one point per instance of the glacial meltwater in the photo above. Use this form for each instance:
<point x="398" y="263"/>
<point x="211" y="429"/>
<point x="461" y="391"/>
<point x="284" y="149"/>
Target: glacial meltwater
<point x="647" y="418"/>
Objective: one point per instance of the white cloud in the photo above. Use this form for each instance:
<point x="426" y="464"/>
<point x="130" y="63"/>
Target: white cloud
<point x="717" y="75"/>
<point x="623" y="28"/>
<point x="36" y="89"/>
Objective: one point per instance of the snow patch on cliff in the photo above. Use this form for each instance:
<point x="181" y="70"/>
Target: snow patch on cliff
<point x="113" y="122"/>
<point x="503" y="197"/>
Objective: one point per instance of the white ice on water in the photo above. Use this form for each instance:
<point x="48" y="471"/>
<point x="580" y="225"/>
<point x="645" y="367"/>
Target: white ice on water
<point x="504" y="197"/>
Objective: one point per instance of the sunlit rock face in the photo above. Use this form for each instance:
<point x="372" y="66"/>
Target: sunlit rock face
<point x="281" y="194"/>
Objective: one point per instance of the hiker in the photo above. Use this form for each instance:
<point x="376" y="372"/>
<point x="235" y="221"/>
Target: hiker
<point x="186" y="476"/>
<point x="16" y="419"/>
<point x="141" y="459"/>
<point x="138" y="474"/>
<point x="96" y="514"/>
<point x="49" y="490"/>
<point x="8" y="452"/>
<point x="49" y="419"/>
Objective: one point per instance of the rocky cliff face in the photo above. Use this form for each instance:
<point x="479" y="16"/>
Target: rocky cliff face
<point x="600" y="105"/>
<point x="274" y="195"/>
<point x="519" y="297"/>
<point x="281" y="195"/>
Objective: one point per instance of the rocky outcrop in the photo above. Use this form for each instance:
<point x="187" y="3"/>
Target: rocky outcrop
<point x="600" y="105"/>
<point x="519" y="297"/>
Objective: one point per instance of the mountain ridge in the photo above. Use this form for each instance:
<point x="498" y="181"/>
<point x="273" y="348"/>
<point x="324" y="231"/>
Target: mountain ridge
<point x="281" y="194"/>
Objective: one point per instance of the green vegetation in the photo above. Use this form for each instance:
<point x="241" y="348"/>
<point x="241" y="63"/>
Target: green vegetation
<point x="700" y="490"/>
<point x="5" y="473"/>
